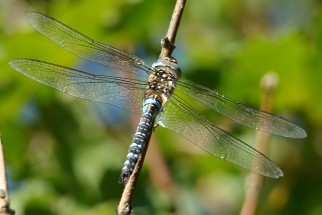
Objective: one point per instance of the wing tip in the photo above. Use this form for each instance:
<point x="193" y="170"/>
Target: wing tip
<point x="279" y="174"/>
<point x="297" y="132"/>
<point x="27" y="15"/>
<point x="301" y="133"/>
<point x="13" y="63"/>
<point x="276" y="173"/>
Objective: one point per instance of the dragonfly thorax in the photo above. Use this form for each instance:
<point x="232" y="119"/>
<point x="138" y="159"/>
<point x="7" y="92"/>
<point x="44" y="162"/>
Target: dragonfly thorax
<point x="161" y="82"/>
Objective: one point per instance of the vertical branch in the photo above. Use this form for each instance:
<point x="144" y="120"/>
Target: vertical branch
<point x="255" y="182"/>
<point x="4" y="193"/>
<point x="167" y="44"/>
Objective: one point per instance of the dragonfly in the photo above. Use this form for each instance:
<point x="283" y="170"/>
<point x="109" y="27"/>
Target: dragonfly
<point x="156" y="93"/>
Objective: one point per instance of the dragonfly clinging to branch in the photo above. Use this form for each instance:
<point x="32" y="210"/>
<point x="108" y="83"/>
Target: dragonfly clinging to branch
<point x="165" y="98"/>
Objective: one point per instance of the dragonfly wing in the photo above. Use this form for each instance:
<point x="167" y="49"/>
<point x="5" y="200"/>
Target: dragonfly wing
<point x="83" y="46"/>
<point x="181" y="118"/>
<point x="121" y="92"/>
<point x="241" y="113"/>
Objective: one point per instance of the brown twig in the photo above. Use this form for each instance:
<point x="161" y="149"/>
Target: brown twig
<point x="4" y="194"/>
<point x="255" y="182"/>
<point x="167" y="44"/>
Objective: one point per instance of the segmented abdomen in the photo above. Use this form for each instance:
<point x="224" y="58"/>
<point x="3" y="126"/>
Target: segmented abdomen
<point x="143" y="132"/>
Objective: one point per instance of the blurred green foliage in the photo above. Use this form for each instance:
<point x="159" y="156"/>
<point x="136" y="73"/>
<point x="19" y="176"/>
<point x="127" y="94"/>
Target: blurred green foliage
<point x="63" y="158"/>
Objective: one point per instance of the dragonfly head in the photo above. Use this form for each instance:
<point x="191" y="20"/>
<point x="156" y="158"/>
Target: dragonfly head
<point x="168" y="62"/>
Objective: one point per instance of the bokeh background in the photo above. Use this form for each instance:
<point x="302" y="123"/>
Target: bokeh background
<point x="64" y="154"/>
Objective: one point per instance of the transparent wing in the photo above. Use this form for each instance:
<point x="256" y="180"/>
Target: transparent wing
<point x="180" y="117"/>
<point x="83" y="46"/>
<point x="241" y="113"/>
<point x="121" y="92"/>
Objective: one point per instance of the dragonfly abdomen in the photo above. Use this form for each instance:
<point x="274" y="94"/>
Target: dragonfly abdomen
<point x="151" y="107"/>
